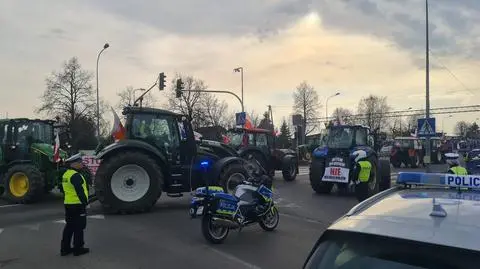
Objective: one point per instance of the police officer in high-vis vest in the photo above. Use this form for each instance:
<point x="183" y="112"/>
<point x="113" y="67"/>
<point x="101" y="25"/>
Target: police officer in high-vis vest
<point x="454" y="164"/>
<point x="363" y="167"/>
<point x="75" y="200"/>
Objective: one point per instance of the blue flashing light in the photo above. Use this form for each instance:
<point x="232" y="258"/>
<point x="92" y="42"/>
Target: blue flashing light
<point x="448" y="180"/>
<point x="204" y="164"/>
<point x="320" y="152"/>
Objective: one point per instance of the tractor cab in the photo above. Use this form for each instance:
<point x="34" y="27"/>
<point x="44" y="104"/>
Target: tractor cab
<point x="22" y="137"/>
<point x="348" y="136"/>
<point x="169" y="132"/>
<point x="261" y="144"/>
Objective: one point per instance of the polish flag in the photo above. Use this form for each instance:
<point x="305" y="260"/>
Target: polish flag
<point x="56" y="150"/>
<point x="248" y="123"/>
<point x="226" y="139"/>
<point x="118" y="131"/>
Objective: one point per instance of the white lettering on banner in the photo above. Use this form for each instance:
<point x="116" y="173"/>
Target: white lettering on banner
<point x="92" y="163"/>
<point x="336" y="174"/>
<point x="463" y="181"/>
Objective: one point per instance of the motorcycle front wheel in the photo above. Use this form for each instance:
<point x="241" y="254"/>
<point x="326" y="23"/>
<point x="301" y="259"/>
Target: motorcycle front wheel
<point x="270" y="220"/>
<point x="214" y="234"/>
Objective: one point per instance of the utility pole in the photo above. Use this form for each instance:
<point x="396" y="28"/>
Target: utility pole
<point x="270" y="113"/>
<point x="428" y="151"/>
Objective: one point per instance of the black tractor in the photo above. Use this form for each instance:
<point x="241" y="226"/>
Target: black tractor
<point x="333" y="163"/>
<point x="158" y="154"/>
<point x="261" y="144"/>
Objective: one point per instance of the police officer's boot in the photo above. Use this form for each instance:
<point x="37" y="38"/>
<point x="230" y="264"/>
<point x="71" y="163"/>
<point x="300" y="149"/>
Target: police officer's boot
<point x="80" y="251"/>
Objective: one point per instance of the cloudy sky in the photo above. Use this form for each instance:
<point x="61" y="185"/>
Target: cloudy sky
<point x="356" y="47"/>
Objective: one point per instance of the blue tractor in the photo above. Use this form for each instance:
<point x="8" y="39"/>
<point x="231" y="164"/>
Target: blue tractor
<point x="332" y="163"/>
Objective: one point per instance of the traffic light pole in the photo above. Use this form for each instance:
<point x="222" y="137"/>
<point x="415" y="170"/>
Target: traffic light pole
<point x="227" y="92"/>
<point x="143" y="94"/>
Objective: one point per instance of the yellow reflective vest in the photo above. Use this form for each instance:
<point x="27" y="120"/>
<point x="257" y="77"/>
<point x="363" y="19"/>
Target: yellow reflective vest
<point x="71" y="197"/>
<point x="365" y="169"/>
<point x="458" y="170"/>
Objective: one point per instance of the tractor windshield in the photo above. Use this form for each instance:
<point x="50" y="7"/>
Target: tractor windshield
<point x="340" y="137"/>
<point x="234" y="138"/>
<point x="34" y="132"/>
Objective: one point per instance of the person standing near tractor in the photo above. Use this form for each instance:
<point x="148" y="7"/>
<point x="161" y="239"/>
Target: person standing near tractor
<point x="454" y="164"/>
<point x="362" y="171"/>
<point x="76" y="200"/>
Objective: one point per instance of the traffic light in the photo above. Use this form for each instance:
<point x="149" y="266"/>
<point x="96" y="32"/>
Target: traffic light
<point x="161" y="81"/>
<point x="179" y="88"/>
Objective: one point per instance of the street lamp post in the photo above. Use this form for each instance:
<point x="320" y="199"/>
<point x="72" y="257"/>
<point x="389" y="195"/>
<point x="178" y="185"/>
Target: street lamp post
<point x="449" y="116"/>
<point x="98" y="98"/>
<point x="240" y="69"/>
<point x="326" y="104"/>
<point x="428" y="152"/>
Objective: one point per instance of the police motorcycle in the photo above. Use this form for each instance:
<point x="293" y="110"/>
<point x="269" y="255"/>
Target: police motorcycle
<point x="251" y="203"/>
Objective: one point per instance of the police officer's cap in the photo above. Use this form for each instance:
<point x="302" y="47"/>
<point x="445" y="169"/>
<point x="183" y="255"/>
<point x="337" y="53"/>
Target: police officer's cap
<point x="452" y="155"/>
<point x="74" y="159"/>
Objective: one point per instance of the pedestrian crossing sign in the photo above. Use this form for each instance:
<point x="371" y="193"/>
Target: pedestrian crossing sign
<point x="426" y="127"/>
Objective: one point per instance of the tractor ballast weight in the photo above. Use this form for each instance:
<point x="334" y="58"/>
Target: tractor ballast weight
<point x="158" y="154"/>
<point x="333" y="163"/>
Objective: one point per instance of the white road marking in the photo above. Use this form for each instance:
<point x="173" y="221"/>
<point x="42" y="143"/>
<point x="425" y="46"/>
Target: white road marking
<point x="1" y="230"/>
<point x="5" y="206"/>
<point x="33" y="227"/>
<point x="235" y="259"/>
<point x="60" y="221"/>
<point x="96" y="217"/>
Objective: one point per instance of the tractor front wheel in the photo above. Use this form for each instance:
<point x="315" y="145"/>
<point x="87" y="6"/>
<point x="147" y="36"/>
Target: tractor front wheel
<point x="24" y="184"/>
<point x="317" y="170"/>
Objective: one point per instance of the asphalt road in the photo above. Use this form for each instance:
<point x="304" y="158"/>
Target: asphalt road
<point x="167" y="238"/>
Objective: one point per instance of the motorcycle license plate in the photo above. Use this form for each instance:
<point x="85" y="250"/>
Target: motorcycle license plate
<point x="200" y="210"/>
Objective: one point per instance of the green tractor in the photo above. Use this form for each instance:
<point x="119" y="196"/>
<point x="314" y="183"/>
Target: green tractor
<point x="27" y="169"/>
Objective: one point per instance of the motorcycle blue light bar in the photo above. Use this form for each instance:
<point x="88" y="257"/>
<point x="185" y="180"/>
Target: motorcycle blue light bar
<point x="467" y="181"/>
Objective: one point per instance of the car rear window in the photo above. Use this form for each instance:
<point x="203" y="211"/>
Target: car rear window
<point x="348" y="250"/>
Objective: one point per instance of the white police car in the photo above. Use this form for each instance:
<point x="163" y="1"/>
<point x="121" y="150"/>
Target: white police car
<point x="427" y="221"/>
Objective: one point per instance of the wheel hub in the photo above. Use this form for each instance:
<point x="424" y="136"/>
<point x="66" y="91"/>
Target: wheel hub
<point x="19" y="184"/>
<point x="130" y="183"/>
<point x="233" y="181"/>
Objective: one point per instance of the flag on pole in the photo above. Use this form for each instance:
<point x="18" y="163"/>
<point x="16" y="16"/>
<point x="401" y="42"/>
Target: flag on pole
<point x="118" y="131"/>
<point x="56" y="150"/>
<point x="248" y="123"/>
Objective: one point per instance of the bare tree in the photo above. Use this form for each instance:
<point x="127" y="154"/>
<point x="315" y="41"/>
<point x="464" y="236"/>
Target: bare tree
<point x="69" y="93"/>
<point x="128" y="96"/>
<point x="214" y="111"/>
<point x="305" y="102"/>
<point x="344" y="115"/>
<point x="461" y="128"/>
<point x="372" y="111"/>
<point x="189" y="103"/>
<point x="254" y="117"/>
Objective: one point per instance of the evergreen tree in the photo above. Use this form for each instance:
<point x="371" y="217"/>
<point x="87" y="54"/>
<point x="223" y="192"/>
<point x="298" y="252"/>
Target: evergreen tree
<point x="284" y="139"/>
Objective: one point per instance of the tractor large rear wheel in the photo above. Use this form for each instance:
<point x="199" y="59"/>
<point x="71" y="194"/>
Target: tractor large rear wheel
<point x="232" y="175"/>
<point x="24" y="184"/>
<point x="129" y="182"/>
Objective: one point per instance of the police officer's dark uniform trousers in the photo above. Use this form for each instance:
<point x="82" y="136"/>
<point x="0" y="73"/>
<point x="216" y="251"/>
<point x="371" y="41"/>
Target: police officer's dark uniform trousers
<point x="75" y="201"/>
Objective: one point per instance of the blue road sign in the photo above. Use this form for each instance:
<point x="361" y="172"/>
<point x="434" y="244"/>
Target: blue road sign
<point x="426" y="127"/>
<point x="240" y="118"/>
